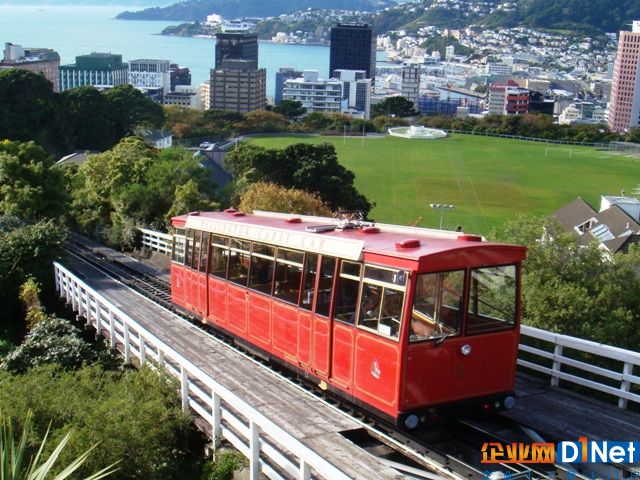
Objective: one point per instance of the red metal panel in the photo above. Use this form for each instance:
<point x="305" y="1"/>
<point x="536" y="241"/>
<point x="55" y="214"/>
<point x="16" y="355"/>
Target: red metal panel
<point x="377" y="371"/>
<point x="305" y="333"/>
<point x="259" y="319"/>
<point x="321" y="342"/>
<point x="285" y="331"/>
<point x="237" y="310"/>
<point x="427" y="375"/>
<point x="489" y="368"/>
<point x="217" y="300"/>
<point x="200" y="291"/>
<point x="178" y="285"/>
<point x="342" y="355"/>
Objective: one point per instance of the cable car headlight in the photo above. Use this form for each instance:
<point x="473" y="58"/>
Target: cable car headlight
<point x="509" y="402"/>
<point x="465" y="349"/>
<point x="411" y="422"/>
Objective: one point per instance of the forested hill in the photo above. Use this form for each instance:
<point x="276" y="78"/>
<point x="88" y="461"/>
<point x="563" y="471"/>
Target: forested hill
<point x="193" y="10"/>
<point x="588" y="16"/>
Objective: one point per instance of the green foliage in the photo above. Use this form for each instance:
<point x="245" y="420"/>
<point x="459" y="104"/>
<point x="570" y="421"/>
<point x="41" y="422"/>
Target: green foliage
<point x="51" y="341"/>
<point x="27" y="105"/>
<point x="313" y="168"/>
<point x="316" y="122"/>
<point x="268" y="196"/>
<point x="383" y="122"/>
<point x="29" y="187"/>
<point x="129" y="107"/>
<point x="14" y="464"/>
<point x="398" y="106"/>
<point x="135" y="415"/>
<point x="576" y="290"/>
<point x="189" y="199"/>
<point x="223" y="465"/>
<point x="633" y="135"/>
<point x="30" y="297"/>
<point x="439" y="43"/>
<point x="290" y="108"/>
<point x="25" y="251"/>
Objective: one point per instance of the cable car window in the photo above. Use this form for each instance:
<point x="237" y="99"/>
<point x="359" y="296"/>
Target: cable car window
<point x="309" y="284"/>
<point x="492" y="299"/>
<point x="262" y="264"/>
<point x="288" y="276"/>
<point x="192" y="250"/>
<point x="204" y="247"/>
<point x="347" y="291"/>
<point x="437" y="306"/>
<point x="325" y="285"/>
<point x="396" y="277"/>
<point x="239" y="261"/>
<point x="381" y="309"/>
<point x="178" y="246"/>
<point x="219" y="256"/>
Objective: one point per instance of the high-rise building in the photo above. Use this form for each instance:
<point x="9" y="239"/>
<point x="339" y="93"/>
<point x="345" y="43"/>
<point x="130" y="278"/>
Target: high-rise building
<point x="509" y="99"/>
<point x="411" y="83"/>
<point x="37" y="60"/>
<point x="239" y="86"/>
<point x="356" y="90"/>
<point x="282" y="75"/>
<point x="145" y="74"/>
<point x="236" y="46"/>
<point x="205" y="95"/>
<point x="624" y="107"/>
<point x="353" y="47"/>
<point x="178" y="76"/>
<point x="102" y="70"/>
<point x="315" y="94"/>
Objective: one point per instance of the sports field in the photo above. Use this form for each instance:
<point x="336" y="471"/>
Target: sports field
<point x="487" y="179"/>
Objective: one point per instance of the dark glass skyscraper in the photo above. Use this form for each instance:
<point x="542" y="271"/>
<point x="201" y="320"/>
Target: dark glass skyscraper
<point x="353" y="47"/>
<point x="236" y="46"/>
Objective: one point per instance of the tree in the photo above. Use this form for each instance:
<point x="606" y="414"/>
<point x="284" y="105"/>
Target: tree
<point x="272" y="197"/>
<point x="129" y="107"/>
<point x="27" y="105"/>
<point x="29" y="185"/>
<point x="262" y="121"/>
<point x="398" y="106"/>
<point x="291" y="109"/>
<point x="189" y="199"/>
<point x="633" y="135"/>
<point x="316" y="122"/>
<point x="13" y="455"/>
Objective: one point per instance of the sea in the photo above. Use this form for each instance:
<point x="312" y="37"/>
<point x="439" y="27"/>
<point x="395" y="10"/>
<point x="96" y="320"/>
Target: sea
<point x="79" y="30"/>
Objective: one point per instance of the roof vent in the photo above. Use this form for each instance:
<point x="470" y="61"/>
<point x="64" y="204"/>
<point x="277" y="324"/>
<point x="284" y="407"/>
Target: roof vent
<point x="369" y="230"/>
<point x="230" y="210"/>
<point x="238" y="214"/>
<point x="196" y="213"/>
<point x="293" y="220"/>
<point x="408" y="243"/>
<point x="469" y="238"/>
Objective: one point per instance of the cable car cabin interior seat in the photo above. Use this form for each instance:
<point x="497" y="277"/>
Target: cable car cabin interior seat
<point x="409" y="323"/>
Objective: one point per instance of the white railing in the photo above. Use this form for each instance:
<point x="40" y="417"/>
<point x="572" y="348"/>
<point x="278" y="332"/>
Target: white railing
<point x="556" y="357"/>
<point x="271" y="451"/>
<point x="158" y="241"/>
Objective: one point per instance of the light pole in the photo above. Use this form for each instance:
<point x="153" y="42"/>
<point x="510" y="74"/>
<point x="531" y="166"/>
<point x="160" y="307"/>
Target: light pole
<point x="443" y="207"/>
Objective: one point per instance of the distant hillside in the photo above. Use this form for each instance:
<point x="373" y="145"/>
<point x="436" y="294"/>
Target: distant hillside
<point x="588" y="16"/>
<point x="89" y="3"/>
<point x="193" y="10"/>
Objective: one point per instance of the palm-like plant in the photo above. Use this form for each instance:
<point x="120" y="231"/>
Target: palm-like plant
<point x="13" y="453"/>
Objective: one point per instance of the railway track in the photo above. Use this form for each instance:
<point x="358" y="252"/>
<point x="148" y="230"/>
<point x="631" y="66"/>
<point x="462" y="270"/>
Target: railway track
<point x="452" y="450"/>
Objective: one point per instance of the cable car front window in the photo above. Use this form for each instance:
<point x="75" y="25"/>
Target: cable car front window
<point x="179" y="246"/>
<point x="492" y="300"/>
<point x="437" y="306"/>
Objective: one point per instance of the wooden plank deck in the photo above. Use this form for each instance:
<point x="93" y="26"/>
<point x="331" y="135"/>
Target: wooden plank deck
<point x="304" y="417"/>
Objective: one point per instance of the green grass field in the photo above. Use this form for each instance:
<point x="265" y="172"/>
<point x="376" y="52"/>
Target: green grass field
<point x="488" y="180"/>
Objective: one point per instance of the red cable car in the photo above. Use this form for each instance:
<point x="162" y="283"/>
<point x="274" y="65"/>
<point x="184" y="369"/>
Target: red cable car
<point x="412" y="323"/>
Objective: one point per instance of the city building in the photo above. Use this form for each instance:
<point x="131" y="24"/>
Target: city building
<point x="102" y="70"/>
<point x="315" y="94"/>
<point x="205" y="95"/>
<point x="356" y="90"/>
<point x="509" y="99"/>
<point x="38" y="60"/>
<point x="624" y="107"/>
<point x="183" y="96"/>
<point x="411" y="83"/>
<point x="449" y="52"/>
<point x="150" y="74"/>
<point x="240" y="45"/>
<point x="238" y="86"/>
<point x="353" y="47"/>
<point x="449" y="107"/>
<point x="178" y="76"/>
<point x="282" y="75"/>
